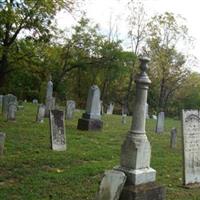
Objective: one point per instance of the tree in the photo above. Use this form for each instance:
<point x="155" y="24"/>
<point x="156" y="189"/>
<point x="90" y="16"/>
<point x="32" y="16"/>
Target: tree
<point x="25" y="18"/>
<point x="167" y="70"/>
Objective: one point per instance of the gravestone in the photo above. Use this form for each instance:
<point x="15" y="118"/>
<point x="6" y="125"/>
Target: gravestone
<point x="102" y="107"/>
<point x="50" y="100"/>
<point x="91" y="119"/>
<point x="12" y="109"/>
<point x="57" y="127"/>
<point x="8" y="99"/>
<point x="147" y="110"/>
<point x="136" y="152"/>
<point x="123" y="120"/>
<point x="154" y="117"/>
<point x="160" y="122"/>
<point x="70" y="108"/>
<point x="35" y="101"/>
<point x="111" y="185"/>
<point x="1" y="102"/>
<point x="110" y="109"/>
<point x="40" y="113"/>
<point x="191" y="147"/>
<point x="173" y="138"/>
<point x="2" y="141"/>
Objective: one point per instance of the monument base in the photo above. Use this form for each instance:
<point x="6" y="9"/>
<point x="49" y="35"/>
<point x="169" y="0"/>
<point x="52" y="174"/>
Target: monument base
<point x="149" y="191"/>
<point x="90" y="124"/>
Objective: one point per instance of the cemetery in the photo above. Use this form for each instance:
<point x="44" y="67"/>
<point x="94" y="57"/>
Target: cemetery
<point x="91" y="114"/>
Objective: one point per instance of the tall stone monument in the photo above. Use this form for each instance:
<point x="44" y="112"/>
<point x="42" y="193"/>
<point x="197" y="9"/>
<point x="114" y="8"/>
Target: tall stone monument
<point x="91" y="119"/>
<point x="50" y="101"/>
<point x="57" y="126"/>
<point x="136" y="180"/>
<point x="191" y="147"/>
<point x="136" y="149"/>
<point x="160" y="122"/>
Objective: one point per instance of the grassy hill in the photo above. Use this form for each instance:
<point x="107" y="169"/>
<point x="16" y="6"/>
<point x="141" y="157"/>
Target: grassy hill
<point x="30" y="170"/>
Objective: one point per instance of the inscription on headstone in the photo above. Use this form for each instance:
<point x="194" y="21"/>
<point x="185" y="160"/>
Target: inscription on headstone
<point x="57" y="126"/>
<point x="191" y="146"/>
<point x="160" y="122"/>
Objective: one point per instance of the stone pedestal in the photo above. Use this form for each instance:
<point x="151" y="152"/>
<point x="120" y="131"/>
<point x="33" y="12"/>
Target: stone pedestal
<point x="149" y="191"/>
<point x="90" y="124"/>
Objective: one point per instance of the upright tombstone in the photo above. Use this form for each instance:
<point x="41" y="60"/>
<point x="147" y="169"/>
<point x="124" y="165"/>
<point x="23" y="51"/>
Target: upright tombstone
<point x="50" y="101"/>
<point x="35" y="101"/>
<point x="7" y="100"/>
<point x="70" y="108"/>
<point x="91" y="119"/>
<point x="124" y="114"/>
<point x="1" y="102"/>
<point x="2" y="141"/>
<point x="191" y="147"/>
<point x="173" y="138"/>
<point x="40" y="113"/>
<point x="136" y="149"/>
<point x="57" y="127"/>
<point x="110" y="109"/>
<point x="12" y="109"/>
<point x="147" y="110"/>
<point x="102" y="107"/>
<point x="160" y="122"/>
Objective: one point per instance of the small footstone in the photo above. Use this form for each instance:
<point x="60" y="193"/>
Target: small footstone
<point x="149" y="191"/>
<point x="111" y="185"/>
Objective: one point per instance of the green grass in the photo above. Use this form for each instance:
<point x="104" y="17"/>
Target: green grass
<point x="30" y="170"/>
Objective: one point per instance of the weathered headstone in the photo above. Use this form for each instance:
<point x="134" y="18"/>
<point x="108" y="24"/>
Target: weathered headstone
<point x="160" y="122"/>
<point x="111" y="185"/>
<point x="136" y="149"/>
<point x="70" y="108"/>
<point x="91" y="119"/>
<point x="110" y="109"/>
<point x="102" y="107"/>
<point x="147" y="110"/>
<point x="154" y="117"/>
<point x="57" y="127"/>
<point x="8" y="99"/>
<point x="2" y="141"/>
<point x="124" y="116"/>
<point x="35" y="101"/>
<point x="173" y="138"/>
<point x="1" y="102"/>
<point x="40" y="113"/>
<point x="191" y="147"/>
<point x="12" y="109"/>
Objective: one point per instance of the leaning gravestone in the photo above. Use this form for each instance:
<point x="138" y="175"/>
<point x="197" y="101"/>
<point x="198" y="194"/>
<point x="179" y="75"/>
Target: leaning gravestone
<point x="2" y="141"/>
<point x="173" y="138"/>
<point x="70" y="108"/>
<point x="160" y="122"/>
<point x="12" y="109"/>
<point x="40" y="113"/>
<point x="57" y="127"/>
<point x="8" y="99"/>
<point x="110" y="109"/>
<point x="91" y="119"/>
<point x="191" y="147"/>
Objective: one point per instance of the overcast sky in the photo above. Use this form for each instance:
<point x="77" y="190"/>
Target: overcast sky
<point x="100" y="11"/>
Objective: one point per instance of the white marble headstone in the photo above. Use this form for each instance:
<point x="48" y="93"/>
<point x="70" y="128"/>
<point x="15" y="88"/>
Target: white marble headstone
<point x="191" y="146"/>
<point x="160" y="122"/>
<point x="110" y="109"/>
<point x="71" y="106"/>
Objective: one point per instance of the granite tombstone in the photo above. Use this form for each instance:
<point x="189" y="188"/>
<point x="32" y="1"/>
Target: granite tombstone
<point x="91" y="119"/>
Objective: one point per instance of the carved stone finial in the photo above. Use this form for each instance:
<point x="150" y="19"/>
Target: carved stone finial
<point x="144" y="63"/>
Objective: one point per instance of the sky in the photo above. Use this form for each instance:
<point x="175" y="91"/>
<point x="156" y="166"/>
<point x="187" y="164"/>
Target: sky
<point x="102" y="11"/>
